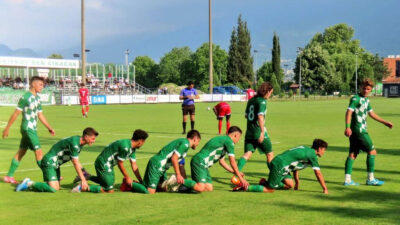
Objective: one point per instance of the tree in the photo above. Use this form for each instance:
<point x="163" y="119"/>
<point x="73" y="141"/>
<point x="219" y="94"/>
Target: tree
<point x="265" y="71"/>
<point x="240" y="61"/>
<point x="55" y="56"/>
<point x="275" y="84"/>
<point x="276" y="59"/>
<point x="200" y="66"/>
<point x="146" y="71"/>
<point x="173" y="65"/>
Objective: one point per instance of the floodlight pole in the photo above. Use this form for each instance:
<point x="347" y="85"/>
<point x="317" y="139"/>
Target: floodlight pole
<point x="210" y="46"/>
<point x="83" y="47"/>
<point x="127" y="64"/>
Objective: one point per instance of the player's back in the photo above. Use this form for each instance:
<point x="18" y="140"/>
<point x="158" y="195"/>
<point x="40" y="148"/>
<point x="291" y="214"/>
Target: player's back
<point x="296" y="154"/>
<point x="215" y="149"/>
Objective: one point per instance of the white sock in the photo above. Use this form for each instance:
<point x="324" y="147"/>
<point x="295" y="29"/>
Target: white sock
<point x="371" y="176"/>
<point x="347" y="178"/>
<point x="30" y="183"/>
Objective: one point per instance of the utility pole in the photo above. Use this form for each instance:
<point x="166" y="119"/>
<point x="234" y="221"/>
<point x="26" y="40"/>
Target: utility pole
<point x="127" y="64"/>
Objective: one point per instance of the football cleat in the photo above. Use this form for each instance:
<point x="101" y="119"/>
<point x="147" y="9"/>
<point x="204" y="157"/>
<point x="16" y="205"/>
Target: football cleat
<point x="77" y="189"/>
<point x="23" y="186"/>
<point x="239" y="188"/>
<point x="375" y="182"/>
<point x="86" y="174"/>
<point x="263" y="182"/>
<point x="125" y="186"/>
<point x="351" y="183"/>
<point x="10" y="180"/>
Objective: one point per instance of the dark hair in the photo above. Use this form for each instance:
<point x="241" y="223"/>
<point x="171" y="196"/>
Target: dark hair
<point x="88" y="131"/>
<point x="139" y="135"/>
<point x="35" y="78"/>
<point x="264" y="89"/>
<point x="317" y="143"/>
<point x="367" y="82"/>
<point x="190" y="83"/>
<point x="82" y="84"/>
<point x="193" y="133"/>
<point x="234" y="129"/>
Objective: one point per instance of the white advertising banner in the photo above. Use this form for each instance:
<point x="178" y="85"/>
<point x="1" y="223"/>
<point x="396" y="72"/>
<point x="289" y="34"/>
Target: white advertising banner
<point x="39" y="62"/>
<point x="151" y="98"/>
<point x="112" y="99"/>
<point x="126" y="99"/>
<point x="139" y="98"/>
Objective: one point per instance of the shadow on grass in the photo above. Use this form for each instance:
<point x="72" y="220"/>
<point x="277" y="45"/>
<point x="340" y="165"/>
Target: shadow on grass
<point x="379" y="150"/>
<point x="377" y="206"/>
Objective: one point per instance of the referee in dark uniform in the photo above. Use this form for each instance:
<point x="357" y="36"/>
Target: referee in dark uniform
<point x="188" y="95"/>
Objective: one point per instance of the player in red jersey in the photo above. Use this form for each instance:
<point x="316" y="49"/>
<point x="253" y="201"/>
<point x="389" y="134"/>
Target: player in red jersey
<point x="222" y="110"/>
<point x="84" y="99"/>
<point x="250" y="93"/>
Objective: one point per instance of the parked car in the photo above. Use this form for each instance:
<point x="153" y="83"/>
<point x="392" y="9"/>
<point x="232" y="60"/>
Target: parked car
<point x="219" y="90"/>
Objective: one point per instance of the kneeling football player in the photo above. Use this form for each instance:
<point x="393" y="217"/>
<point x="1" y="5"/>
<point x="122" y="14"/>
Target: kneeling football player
<point x="292" y="160"/>
<point x="65" y="150"/>
<point x="157" y="166"/>
<point x="115" y="154"/>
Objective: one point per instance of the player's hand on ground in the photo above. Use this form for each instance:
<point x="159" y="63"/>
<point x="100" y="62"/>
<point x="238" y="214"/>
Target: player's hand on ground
<point x="84" y="186"/>
<point x="389" y="124"/>
<point x="52" y="131"/>
<point x="180" y="179"/>
<point x="245" y="184"/>
<point x="348" y="132"/>
<point x="326" y="191"/>
<point x="261" y="138"/>
<point x="5" y="133"/>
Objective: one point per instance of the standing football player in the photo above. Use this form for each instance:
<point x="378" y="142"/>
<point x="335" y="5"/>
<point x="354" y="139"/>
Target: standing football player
<point x="115" y="154"/>
<point x="84" y="100"/>
<point x="63" y="151"/>
<point x="256" y="133"/>
<point x="356" y="129"/>
<point x="30" y="106"/>
<point x="169" y="155"/>
<point x="222" y="110"/>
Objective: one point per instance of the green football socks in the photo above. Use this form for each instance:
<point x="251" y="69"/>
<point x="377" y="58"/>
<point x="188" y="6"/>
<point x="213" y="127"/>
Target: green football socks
<point x="42" y="187"/>
<point x="349" y="165"/>
<point x="94" y="188"/>
<point x="370" y="163"/>
<point x="13" y="167"/>
<point x="255" y="188"/>
<point x="140" y="188"/>
<point x="189" y="183"/>
<point x="242" y="161"/>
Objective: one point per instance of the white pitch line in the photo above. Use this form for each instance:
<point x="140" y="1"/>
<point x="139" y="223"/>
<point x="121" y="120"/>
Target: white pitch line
<point x="83" y="164"/>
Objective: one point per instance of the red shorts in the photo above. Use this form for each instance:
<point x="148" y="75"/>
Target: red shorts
<point x="223" y="111"/>
<point x="84" y="103"/>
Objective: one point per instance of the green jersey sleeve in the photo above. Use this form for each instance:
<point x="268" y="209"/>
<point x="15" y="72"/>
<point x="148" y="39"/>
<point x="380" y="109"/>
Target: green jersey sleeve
<point x="230" y="147"/>
<point x="133" y="157"/>
<point x="312" y="157"/>
<point x="123" y="150"/>
<point x="22" y="103"/>
<point x="40" y="107"/>
<point x="75" y="148"/>
<point x="353" y="103"/>
<point x="262" y="107"/>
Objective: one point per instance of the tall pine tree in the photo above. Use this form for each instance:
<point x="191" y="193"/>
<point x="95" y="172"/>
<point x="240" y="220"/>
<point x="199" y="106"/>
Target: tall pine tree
<point x="240" y="63"/>
<point x="276" y="59"/>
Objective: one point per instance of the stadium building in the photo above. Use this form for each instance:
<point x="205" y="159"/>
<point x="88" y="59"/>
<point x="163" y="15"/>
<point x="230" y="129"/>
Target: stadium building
<point x="391" y="84"/>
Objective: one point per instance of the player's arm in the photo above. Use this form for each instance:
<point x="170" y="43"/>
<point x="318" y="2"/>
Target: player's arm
<point x="321" y="180"/>
<point x="175" y="164"/>
<point x="135" y="170"/>
<point x="296" y="180"/>
<point x="374" y="116"/>
<point x="182" y="96"/>
<point x="121" y="167"/>
<point x="13" y="117"/>
<point x="43" y="119"/>
<point x="78" y="169"/>
<point x="347" y="119"/>
<point x="233" y="169"/>
<point x="261" y="123"/>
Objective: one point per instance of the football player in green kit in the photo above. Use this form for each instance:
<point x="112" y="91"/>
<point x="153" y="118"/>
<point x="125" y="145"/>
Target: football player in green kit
<point x="169" y="155"/>
<point x="115" y="154"/>
<point x="292" y="160"/>
<point x="31" y="108"/>
<point x="356" y="129"/>
<point x="63" y="151"/>
<point x="214" y="151"/>
<point x="256" y="133"/>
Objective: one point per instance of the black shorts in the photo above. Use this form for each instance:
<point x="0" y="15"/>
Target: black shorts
<point x="188" y="109"/>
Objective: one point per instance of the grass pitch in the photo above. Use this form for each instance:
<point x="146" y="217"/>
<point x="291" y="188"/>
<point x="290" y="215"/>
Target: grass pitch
<point x="289" y="124"/>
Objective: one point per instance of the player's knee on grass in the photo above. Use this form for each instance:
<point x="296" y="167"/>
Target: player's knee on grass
<point x="151" y="190"/>
<point x="209" y="187"/>
<point x="55" y="185"/>
<point x="372" y="152"/>
<point x="200" y="187"/>
<point x="289" y="184"/>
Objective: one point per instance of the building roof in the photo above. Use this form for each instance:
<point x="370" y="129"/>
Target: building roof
<point x="294" y="86"/>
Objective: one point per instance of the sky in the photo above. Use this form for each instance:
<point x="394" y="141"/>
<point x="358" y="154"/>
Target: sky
<point x="154" y="27"/>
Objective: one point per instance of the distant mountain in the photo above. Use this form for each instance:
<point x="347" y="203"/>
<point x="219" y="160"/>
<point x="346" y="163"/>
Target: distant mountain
<point x="21" y="52"/>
